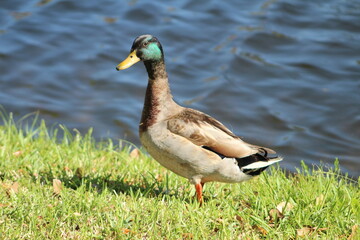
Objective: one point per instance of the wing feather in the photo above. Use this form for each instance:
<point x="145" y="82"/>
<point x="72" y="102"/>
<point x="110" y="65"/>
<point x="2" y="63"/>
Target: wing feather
<point x="203" y="130"/>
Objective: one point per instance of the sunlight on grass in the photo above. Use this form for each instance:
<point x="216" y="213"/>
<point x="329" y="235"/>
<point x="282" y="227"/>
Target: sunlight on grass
<point x="58" y="184"/>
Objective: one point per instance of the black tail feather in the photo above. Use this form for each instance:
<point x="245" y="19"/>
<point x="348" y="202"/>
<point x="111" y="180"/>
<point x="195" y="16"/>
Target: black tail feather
<point x="242" y="162"/>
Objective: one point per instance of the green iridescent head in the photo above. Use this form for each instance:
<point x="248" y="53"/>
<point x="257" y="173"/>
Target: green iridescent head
<point x="144" y="48"/>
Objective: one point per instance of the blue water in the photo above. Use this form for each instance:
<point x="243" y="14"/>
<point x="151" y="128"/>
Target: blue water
<point x="283" y="74"/>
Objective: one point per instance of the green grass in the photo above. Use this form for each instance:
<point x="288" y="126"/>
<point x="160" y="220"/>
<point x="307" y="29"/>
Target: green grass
<point x="106" y="194"/>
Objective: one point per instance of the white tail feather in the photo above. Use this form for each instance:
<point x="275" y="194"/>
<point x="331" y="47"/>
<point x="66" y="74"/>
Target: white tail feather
<point x="262" y="164"/>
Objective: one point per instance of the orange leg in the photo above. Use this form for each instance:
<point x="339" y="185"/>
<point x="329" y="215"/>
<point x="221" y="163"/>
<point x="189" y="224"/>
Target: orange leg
<point x="199" y="188"/>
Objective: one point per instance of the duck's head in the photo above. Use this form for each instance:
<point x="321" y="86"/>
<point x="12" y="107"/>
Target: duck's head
<point x="145" y="48"/>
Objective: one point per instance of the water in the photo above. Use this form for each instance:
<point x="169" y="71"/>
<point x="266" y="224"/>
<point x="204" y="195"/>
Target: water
<point x="283" y="74"/>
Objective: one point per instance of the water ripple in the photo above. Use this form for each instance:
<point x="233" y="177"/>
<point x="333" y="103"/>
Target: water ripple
<point x="283" y="74"/>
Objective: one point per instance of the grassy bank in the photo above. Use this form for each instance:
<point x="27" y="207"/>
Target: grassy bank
<point x="71" y="187"/>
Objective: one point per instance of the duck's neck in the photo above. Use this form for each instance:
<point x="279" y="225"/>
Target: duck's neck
<point x="158" y="98"/>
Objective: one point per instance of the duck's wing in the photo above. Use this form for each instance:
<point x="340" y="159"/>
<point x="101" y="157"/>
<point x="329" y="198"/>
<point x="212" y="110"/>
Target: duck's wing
<point x="205" y="131"/>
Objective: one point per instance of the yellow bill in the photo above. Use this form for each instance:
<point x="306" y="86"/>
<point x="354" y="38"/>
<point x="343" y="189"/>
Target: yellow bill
<point x="128" y="62"/>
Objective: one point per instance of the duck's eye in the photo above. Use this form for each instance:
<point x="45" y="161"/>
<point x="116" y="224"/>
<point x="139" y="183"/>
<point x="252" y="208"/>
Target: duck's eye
<point x="145" y="44"/>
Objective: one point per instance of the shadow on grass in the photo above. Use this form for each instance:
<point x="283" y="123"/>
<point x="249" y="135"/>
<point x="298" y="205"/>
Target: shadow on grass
<point x="144" y="186"/>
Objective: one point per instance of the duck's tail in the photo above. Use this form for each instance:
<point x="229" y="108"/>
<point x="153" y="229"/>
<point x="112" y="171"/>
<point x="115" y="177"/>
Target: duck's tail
<point x="256" y="163"/>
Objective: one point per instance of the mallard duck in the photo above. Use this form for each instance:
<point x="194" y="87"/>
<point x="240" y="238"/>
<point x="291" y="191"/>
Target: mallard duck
<point x="188" y="142"/>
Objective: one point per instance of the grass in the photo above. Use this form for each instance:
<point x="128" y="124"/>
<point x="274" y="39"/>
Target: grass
<point x="55" y="184"/>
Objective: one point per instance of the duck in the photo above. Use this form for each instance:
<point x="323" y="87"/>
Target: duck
<point x="186" y="141"/>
